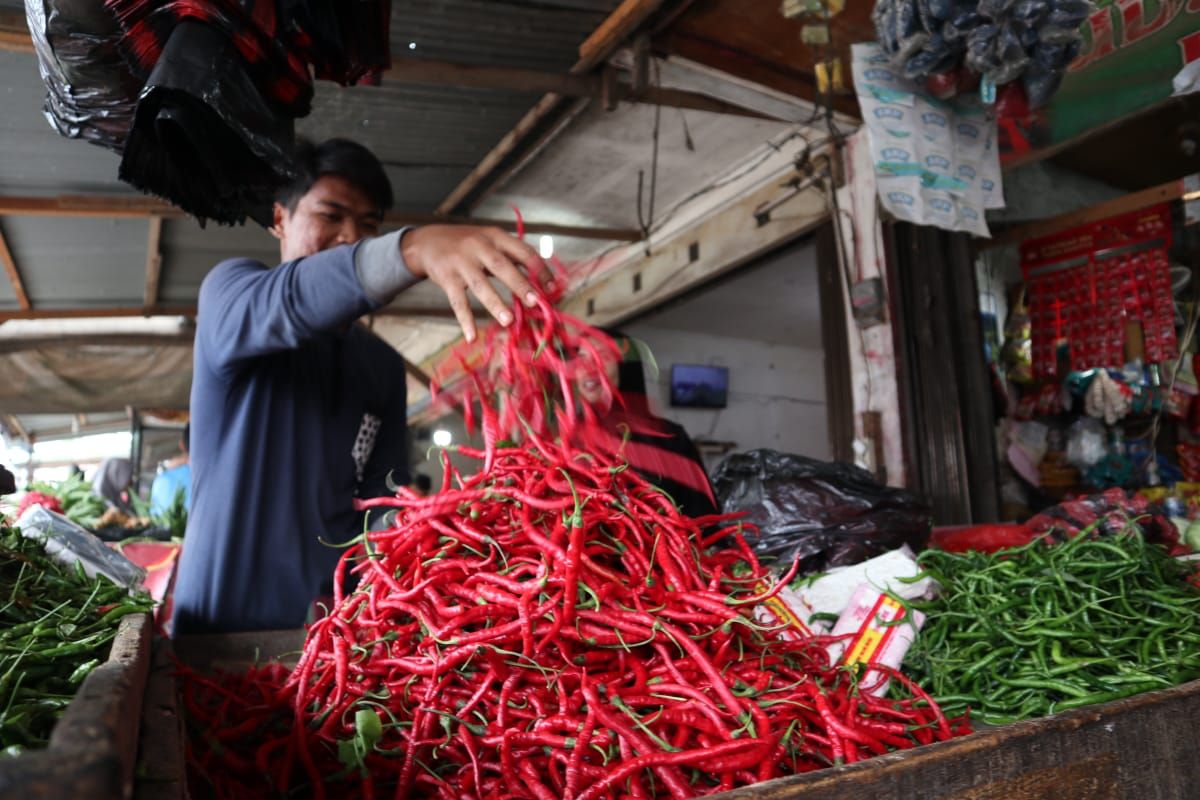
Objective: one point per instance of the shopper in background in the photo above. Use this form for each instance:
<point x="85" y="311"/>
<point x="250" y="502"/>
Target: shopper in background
<point x="175" y="479"/>
<point x="657" y="449"/>
<point x="296" y="411"/>
<point x="111" y="481"/>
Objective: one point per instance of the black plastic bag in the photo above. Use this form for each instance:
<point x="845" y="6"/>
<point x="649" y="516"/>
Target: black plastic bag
<point x="826" y="514"/>
<point x="203" y="136"/>
<point x="90" y="90"/>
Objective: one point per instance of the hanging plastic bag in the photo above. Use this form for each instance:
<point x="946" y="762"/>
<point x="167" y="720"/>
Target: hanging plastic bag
<point x="1011" y="56"/>
<point x="204" y="136"/>
<point x="90" y="90"/>
<point x="825" y="514"/>
<point x="995" y="9"/>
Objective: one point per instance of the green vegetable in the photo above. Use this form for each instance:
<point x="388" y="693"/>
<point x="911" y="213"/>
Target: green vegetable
<point x="80" y="504"/>
<point x="1042" y="628"/>
<point x="56" y="625"/>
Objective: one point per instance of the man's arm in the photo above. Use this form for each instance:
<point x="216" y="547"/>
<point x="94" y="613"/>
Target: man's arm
<point x="247" y="310"/>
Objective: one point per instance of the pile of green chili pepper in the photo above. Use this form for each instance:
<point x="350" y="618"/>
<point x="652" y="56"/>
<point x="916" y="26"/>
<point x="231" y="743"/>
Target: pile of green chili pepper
<point x="1042" y="628"/>
<point x="55" y="627"/>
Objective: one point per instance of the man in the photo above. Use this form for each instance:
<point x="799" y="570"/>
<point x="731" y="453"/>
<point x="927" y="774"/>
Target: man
<point x="174" y="479"/>
<point x="657" y="449"/>
<point x="296" y="410"/>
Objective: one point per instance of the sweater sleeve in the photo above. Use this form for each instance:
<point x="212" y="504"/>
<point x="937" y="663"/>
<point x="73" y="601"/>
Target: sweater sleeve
<point x="248" y="310"/>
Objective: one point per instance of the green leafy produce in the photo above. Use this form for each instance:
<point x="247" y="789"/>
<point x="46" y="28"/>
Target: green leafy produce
<point x="1042" y="628"/>
<point x="56" y="625"/>
<point x="80" y="504"/>
<point x="174" y="518"/>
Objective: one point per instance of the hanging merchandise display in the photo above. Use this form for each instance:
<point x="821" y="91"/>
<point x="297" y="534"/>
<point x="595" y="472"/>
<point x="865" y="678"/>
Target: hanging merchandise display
<point x="956" y="45"/>
<point x="90" y="90"/>
<point x="936" y="161"/>
<point x="221" y="84"/>
<point x="1104" y="290"/>
<point x="204" y="137"/>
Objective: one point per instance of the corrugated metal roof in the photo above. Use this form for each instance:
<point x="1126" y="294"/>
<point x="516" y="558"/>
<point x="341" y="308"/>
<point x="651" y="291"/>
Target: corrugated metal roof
<point x="190" y="251"/>
<point x="79" y="263"/>
<point x="34" y="157"/>
<point x="537" y="34"/>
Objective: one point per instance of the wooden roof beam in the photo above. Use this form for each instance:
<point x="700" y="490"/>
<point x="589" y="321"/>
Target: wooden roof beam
<point x="14" y="274"/>
<point x="14" y="32"/>
<point x="153" y="263"/>
<point x="136" y="206"/>
<point x="595" y="50"/>
<point x="434" y="312"/>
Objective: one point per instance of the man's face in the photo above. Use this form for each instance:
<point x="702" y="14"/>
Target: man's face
<point x="333" y="212"/>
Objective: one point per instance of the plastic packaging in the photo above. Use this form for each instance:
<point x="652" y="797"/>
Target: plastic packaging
<point x="68" y="543"/>
<point x="90" y="90"/>
<point x="204" y="136"/>
<point x="825" y="514"/>
<point x="875" y="628"/>
<point x="1086" y="443"/>
<point x="997" y="39"/>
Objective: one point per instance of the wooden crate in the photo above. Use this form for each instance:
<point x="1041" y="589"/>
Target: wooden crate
<point x="93" y="747"/>
<point x="1139" y="748"/>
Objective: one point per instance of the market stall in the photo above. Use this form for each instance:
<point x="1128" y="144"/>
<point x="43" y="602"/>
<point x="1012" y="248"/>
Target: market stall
<point x="779" y="534"/>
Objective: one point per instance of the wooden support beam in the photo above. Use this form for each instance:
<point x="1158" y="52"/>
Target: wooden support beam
<point x="435" y="312"/>
<point x="14" y="33"/>
<point x="97" y="205"/>
<point x="612" y="33"/>
<point x="15" y="427"/>
<point x="121" y="206"/>
<point x="596" y="49"/>
<point x="83" y="313"/>
<point x="1163" y="193"/>
<point x="14" y="274"/>
<point x="153" y="263"/>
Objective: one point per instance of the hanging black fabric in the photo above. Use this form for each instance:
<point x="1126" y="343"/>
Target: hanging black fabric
<point x="203" y="136"/>
<point x="225" y="80"/>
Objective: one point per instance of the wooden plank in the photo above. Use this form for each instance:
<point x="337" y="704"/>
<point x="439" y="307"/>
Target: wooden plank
<point x="14" y="274"/>
<point x="626" y="19"/>
<point x="436" y="312"/>
<point x="14" y="426"/>
<point x="122" y="206"/>
<point x="96" y="205"/>
<point x="14" y="33"/>
<point x="1139" y="748"/>
<point x="83" y="313"/>
<point x="595" y="50"/>
<point x="153" y="262"/>
<point x="1163" y="193"/>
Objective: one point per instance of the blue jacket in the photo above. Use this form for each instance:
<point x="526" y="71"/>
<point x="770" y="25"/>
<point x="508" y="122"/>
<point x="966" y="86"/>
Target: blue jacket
<point x="167" y="485"/>
<point x="295" y="411"/>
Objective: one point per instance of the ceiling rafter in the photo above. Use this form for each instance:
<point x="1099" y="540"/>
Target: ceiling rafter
<point x="136" y="206"/>
<point x="433" y="312"/>
<point x="594" y="51"/>
<point x="14" y="33"/>
<point x="14" y="274"/>
<point x="154" y="263"/>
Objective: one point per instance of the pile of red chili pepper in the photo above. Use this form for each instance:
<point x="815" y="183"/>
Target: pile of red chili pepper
<point x="548" y="627"/>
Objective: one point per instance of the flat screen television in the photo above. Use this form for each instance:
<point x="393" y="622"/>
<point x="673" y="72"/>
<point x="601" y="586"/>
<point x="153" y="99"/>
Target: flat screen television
<point x="699" y="386"/>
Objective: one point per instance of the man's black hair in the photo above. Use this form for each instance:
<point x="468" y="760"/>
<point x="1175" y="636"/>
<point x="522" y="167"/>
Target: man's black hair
<point x="341" y="157"/>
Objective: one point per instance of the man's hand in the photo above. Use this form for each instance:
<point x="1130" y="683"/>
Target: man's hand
<point x="459" y="258"/>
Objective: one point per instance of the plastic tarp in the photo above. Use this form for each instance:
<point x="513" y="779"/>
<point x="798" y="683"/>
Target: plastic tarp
<point x="80" y="379"/>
